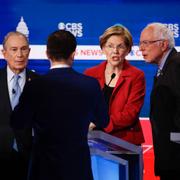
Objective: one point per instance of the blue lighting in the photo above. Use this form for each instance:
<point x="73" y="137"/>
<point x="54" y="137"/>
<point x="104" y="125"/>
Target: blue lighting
<point x="104" y="169"/>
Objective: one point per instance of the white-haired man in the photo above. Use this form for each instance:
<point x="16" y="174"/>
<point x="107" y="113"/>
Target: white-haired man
<point x="157" y="46"/>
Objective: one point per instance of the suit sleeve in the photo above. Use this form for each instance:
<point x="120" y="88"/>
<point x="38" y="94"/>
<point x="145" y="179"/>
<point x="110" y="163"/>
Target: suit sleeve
<point x="176" y="90"/>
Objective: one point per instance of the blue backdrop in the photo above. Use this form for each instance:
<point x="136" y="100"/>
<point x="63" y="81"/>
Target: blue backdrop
<point x="87" y="20"/>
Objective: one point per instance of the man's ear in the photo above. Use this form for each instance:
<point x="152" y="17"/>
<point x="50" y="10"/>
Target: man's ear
<point x="3" y="52"/>
<point x="165" y="45"/>
<point x="73" y="55"/>
<point x="47" y="54"/>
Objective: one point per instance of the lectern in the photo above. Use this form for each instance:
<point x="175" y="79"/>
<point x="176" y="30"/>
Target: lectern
<point x="175" y="137"/>
<point x="113" y="158"/>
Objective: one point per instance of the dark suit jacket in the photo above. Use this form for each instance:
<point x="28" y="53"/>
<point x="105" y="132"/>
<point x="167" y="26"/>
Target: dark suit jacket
<point x="6" y="134"/>
<point x="13" y="165"/>
<point x="59" y="106"/>
<point x="165" y="114"/>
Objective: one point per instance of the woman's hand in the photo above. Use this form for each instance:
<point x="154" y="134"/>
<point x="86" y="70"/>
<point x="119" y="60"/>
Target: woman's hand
<point x="91" y="126"/>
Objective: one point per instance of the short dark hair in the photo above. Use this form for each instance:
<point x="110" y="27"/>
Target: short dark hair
<point x="61" y="44"/>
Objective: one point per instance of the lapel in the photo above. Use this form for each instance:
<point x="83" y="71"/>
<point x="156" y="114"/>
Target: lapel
<point x="4" y="93"/>
<point x="124" y="74"/>
<point x="28" y="75"/>
<point x="158" y="79"/>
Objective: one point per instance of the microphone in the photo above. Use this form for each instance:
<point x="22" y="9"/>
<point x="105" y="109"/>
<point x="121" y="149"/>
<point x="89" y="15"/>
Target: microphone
<point x="112" y="77"/>
<point x="13" y="91"/>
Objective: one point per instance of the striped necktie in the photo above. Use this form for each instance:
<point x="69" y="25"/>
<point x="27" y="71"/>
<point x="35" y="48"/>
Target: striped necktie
<point x="16" y="91"/>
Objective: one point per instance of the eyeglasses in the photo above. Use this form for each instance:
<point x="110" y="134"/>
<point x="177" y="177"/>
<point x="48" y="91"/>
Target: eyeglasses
<point x="120" y="47"/>
<point x="147" y="43"/>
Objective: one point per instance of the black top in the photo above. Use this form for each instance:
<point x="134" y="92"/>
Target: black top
<point x="107" y="90"/>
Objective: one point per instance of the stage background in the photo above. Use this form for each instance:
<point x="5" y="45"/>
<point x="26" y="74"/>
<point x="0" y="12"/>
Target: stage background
<point x="87" y="20"/>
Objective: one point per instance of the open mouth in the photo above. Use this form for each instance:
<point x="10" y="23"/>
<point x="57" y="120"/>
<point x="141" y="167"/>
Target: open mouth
<point x="116" y="58"/>
<point x="144" y="55"/>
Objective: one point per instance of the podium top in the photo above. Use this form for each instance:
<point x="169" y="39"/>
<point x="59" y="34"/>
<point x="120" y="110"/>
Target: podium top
<point x="111" y="144"/>
<point x="175" y="137"/>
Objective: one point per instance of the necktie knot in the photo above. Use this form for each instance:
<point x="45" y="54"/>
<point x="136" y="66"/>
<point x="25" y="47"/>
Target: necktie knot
<point x="16" y="78"/>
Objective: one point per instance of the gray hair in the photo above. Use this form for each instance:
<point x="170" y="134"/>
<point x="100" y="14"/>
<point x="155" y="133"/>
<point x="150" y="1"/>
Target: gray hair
<point x="162" y="32"/>
<point x="11" y="34"/>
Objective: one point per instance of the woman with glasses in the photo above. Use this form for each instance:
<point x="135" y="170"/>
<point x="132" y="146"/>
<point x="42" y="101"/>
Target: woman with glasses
<point x="123" y="85"/>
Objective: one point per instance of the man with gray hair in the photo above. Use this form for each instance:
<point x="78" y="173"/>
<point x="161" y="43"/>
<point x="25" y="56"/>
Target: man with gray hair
<point x="13" y="77"/>
<point x="157" y="46"/>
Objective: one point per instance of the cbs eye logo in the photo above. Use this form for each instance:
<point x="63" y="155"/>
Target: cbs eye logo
<point x="75" y="28"/>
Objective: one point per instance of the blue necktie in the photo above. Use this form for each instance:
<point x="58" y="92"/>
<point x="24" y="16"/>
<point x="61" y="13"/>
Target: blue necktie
<point x="16" y="92"/>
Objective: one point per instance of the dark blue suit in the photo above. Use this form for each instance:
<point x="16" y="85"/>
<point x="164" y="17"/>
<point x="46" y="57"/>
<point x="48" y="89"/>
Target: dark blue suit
<point x="9" y="159"/>
<point x="165" y="116"/>
<point x="59" y="106"/>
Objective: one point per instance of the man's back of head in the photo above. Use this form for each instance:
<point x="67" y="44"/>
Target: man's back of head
<point x="61" y="45"/>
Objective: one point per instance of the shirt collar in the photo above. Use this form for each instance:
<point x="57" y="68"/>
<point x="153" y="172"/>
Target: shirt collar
<point x="10" y="74"/>
<point x="60" y="66"/>
<point x="163" y="60"/>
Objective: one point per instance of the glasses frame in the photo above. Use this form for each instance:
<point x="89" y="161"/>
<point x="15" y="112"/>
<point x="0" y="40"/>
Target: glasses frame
<point x="120" y="47"/>
<point x="147" y="42"/>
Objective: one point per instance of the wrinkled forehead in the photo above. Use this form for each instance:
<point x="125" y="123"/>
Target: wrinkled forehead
<point x="15" y="40"/>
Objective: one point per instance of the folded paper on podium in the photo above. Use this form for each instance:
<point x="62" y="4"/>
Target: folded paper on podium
<point x="175" y="137"/>
<point x="113" y="158"/>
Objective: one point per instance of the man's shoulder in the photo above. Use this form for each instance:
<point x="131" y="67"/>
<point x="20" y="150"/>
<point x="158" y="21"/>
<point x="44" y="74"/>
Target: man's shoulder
<point x="87" y="78"/>
<point x="31" y="76"/>
<point x="32" y="73"/>
<point x="3" y="73"/>
<point x="86" y="81"/>
<point x="174" y="60"/>
<point x="177" y="57"/>
<point x="174" y="56"/>
<point x="2" y="70"/>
